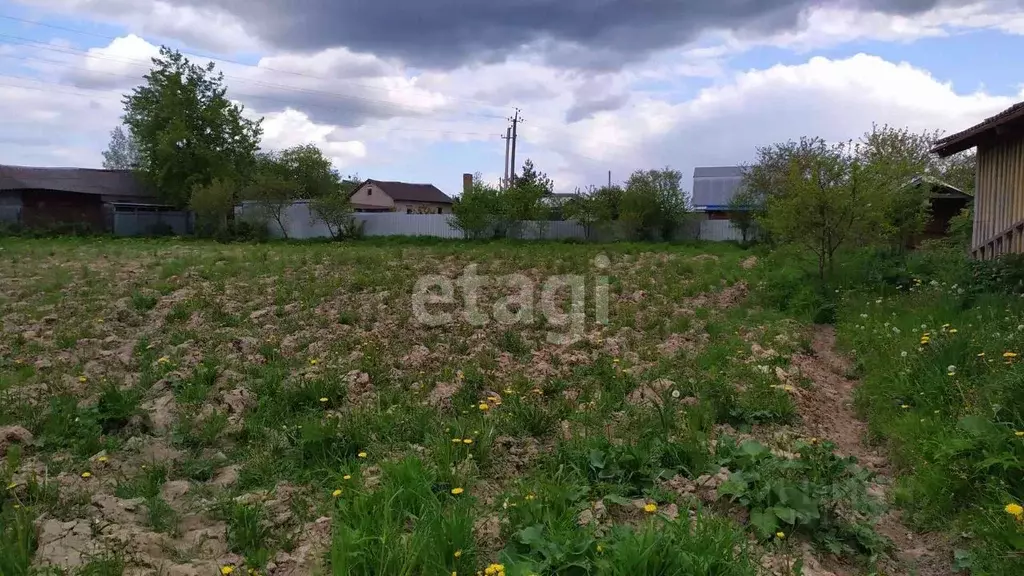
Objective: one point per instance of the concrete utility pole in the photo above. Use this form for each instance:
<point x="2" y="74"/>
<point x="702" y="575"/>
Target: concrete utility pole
<point x="515" y="124"/>
<point x="508" y="141"/>
<point x="609" y="178"/>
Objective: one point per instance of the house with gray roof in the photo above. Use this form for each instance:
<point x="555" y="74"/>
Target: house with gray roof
<point x="80" y="198"/>
<point x="713" y="189"/>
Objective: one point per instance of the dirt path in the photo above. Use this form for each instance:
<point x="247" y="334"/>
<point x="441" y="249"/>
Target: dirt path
<point x="827" y="413"/>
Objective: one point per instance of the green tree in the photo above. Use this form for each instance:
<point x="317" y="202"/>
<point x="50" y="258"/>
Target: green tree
<point x="653" y="205"/>
<point x="476" y="211"/>
<point x="334" y="209"/>
<point x="122" y="152"/>
<point x="824" y="202"/>
<point x="273" y="195"/>
<point x="744" y="208"/>
<point x="213" y="205"/>
<point x="531" y="178"/>
<point x="188" y="132"/>
<point x="306" y="166"/>
<point x="596" y="209"/>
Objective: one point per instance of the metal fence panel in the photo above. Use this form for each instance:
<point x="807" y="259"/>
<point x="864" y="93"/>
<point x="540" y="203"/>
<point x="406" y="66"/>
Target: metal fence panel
<point x="149" y="223"/>
<point x="10" y="214"/>
<point x="301" y="223"/>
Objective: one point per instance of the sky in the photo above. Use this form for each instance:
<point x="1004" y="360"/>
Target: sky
<point x="421" y="90"/>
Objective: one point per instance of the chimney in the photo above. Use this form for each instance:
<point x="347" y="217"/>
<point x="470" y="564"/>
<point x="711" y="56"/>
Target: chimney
<point x="467" y="183"/>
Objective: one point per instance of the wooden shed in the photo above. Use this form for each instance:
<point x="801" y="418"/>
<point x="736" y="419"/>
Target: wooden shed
<point x="999" y="182"/>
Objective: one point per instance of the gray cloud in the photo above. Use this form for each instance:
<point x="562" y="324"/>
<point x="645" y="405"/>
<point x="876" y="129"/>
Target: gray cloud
<point x="445" y="33"/>
<point x="583" y="109"/>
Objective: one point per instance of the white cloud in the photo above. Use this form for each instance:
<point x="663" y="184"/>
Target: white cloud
<point x="724" y="124"/>
<point x="292" y="128"/>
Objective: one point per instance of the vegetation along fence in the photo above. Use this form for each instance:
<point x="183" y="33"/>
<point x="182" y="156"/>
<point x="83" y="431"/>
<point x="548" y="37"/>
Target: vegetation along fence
<point x="300" y="223"/>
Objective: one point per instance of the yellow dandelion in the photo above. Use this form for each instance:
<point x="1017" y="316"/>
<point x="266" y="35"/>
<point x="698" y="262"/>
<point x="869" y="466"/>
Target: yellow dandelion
<point x="615" y="361"/>
<point x="981" y="354"/>
<point x="457" y="491"/>
<point x="336" y="493"/>
<point x="362" y="454"/>
<point x="226" y="570"/>
<point x="484" y="407"/>
<point x="1009" y="354"/>
<point x="346" y="477"/>
<point x="531" y="496"/>
<point x="12" y="486"/>
<point x="952" y="330"/>
<point x="905" y="406"/>
<point x="313" y="361"/>
<point x="458" y="553"/>
<point x="509" y="391"/>
<point x="600" y="549"/>
<point x="163" y="360"/>
<point x="323" y="399"/>
<point x="494" y="570"/>
<point x="102" y="459"/>
<point x="467" y="441"/>
<point x="650" y="508"/>
<point x="460" y="375"/>
<point x="1015" y="510"/>
<point x="456" y="440"/>
<point x="82" y="379"/>
<point x="1019" y="433"/>
<point x="86" y="474"/>
<point x="780" y="535"/>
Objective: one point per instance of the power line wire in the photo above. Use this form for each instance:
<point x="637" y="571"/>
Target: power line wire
<point x="227" y="60"/>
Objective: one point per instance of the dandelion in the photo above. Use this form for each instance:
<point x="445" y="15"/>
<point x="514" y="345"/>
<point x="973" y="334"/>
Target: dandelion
<point x="362" y="454"/>
<point x="615" y="360"/>
<point x="83" y="379"/>
<point x="905" y="406"/>
<point x="484" y="407"/>
<point x="458" y="553"/>
<point x="102" y="459"/>
<point x="600" y="549"/>
<point x="467" y="441"/>
<point x="675" y="394"/>
<point x="226" y="570"/>
<point x="1015" y="510"/>
<point x="531" y="496"/>
<point x="460" y="374"/>
<point x="1009" y="355"/>
<point x="952" y="330"/>
<point x="650" y="508"/>
<point x="951" y="369"/>
<point x="780" y="535"/>
<point x="12" y="486"/>
<point x="981" y="354"/>
<point x="456" y="440"/>
<point x="457" y="491"/>
<point x="323" y="399"/>
<point x="163" y="360"/>
<point x="495" y="570"/>
<point x="336" y="493"/>
<point x="313" y="361"/>
<point x="903" y="354"/>
<point x="86" y="474"/>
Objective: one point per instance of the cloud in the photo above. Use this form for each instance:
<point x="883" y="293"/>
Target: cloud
<point x="446" y="34"/>
<point x="292" y="128"/>
<point x="724" y="124"/>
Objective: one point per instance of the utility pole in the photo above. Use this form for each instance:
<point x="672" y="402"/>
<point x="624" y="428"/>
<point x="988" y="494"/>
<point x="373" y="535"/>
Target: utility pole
<point x="609" y="178"/>
<point x="515" y="124"/>
<point x="508" y="141"/>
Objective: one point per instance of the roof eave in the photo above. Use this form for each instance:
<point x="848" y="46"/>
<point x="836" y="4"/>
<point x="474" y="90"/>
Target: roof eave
<point x="971" y="137"/>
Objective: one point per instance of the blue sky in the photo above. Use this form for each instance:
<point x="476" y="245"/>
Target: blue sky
<point x="711" y="98"/>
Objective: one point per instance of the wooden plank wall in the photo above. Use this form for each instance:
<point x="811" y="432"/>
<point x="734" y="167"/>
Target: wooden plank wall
<point x="999" y="200"/>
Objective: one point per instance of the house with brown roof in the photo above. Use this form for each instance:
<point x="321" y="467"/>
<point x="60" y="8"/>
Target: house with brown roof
<point x="999" y="181"/>
<point x="381" y="196"/>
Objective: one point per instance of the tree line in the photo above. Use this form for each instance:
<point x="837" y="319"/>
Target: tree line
<point x="823" y="197"/>
<point x="199" y="150"/>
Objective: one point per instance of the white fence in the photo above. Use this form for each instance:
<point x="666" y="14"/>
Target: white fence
<point x="300" y="224"/>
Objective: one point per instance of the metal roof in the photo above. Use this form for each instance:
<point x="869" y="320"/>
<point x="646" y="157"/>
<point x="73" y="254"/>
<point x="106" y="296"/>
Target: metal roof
<point x="968" y="138"/>
<point x="76" y="180"/>
<point x="405" y="192"/>
<point x="715" y="185"/>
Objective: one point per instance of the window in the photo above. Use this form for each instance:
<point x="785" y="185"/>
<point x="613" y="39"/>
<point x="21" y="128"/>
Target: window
<point x="440" y="210"/>
<point x="369" y="190"/>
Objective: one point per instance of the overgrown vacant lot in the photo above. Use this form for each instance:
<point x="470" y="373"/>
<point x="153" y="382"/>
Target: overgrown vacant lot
<point x="197" y="408"/>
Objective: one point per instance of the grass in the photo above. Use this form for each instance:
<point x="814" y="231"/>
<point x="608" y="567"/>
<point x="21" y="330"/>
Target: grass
<point x="451" y="448"/>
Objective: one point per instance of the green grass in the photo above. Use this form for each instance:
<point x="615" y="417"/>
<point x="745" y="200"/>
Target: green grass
<point x="346" y="391"/>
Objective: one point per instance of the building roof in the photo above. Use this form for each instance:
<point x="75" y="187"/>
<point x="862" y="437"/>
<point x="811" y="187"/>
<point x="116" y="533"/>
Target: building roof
<point x="405" y="192"/>
<point x="714" y="186"/>
<point x="939" y="188"/>
<point x="970" y="137"/>
<point x="77" y="180"/>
